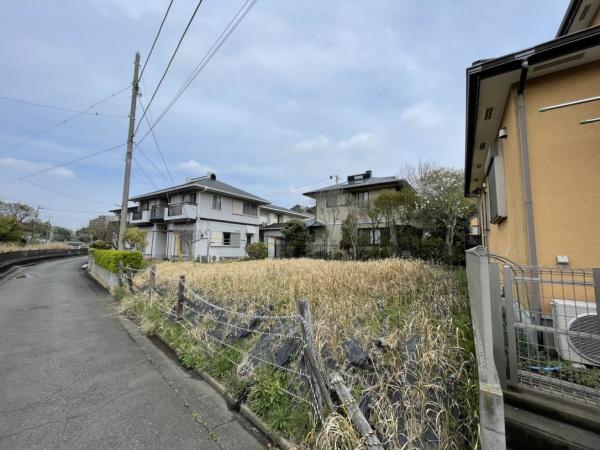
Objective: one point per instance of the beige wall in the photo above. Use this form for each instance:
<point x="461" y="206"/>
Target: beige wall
<point x="565" y="172"/>
<point x="596" y="20"/>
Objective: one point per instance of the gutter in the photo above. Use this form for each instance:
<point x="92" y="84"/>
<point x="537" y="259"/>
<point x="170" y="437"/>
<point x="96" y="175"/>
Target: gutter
<point x="528" y="199"/>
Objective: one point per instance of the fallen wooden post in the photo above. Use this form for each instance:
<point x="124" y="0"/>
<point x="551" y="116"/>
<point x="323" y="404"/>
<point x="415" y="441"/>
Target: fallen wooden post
<point x="356" y="416"/>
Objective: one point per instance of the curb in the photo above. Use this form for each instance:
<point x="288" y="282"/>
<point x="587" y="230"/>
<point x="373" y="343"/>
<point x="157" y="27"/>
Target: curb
<point x="244" y="410"/>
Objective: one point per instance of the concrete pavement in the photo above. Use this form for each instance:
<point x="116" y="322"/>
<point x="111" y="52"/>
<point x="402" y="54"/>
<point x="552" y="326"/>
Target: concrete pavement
<point x="73" y="375"/>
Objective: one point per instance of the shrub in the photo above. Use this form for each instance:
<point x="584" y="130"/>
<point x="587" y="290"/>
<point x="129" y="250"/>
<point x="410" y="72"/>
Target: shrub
<point x="258" y="250"/>
<point x="135" y="238"/>
<point x="109" y="259"/>
<point x="100" y="244"/>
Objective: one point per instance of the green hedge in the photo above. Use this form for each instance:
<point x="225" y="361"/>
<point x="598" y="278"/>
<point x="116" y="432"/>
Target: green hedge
<point x="109" y="259"/>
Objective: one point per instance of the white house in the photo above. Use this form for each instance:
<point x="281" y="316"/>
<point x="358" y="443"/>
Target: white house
<point x="203" y="219"/>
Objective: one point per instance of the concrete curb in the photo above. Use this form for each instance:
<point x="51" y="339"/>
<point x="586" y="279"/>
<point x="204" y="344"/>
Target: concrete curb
<point x="244" y="410"/>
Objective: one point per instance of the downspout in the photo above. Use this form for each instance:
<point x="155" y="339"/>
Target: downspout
<point x="528" y="199"/>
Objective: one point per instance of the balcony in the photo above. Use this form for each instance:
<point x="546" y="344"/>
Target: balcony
<point x="139" y="217"/>
<point x="181" y="212"/>
<point x="157" y="214"/>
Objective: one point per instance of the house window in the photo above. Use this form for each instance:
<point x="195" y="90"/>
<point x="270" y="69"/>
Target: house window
<point x="231" y="239"/>
<point x="362" y="199"/>
<point x="497" y="197"/>
<point x="226" y="239"/>
<point x="250" y="209"/>
<point x="375" y="237"/>
<point x="331" y="200"/>
<point x="144" y="206"/>
<point x="216" y="202"/>
<point x="248" y="238"/>
<point x="189" y="198"/>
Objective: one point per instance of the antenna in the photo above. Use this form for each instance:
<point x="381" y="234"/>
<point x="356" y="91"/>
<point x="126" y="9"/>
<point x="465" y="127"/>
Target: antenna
<point x="336" y="177"/>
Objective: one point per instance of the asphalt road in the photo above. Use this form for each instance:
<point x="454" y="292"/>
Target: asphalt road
<point x="74" y="375"/>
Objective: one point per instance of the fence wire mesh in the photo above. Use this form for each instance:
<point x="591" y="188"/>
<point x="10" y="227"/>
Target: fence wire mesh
<point x="247" y="342"/>
<point x="551" y="328"/>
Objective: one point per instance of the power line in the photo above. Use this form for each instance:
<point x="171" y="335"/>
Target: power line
<point x="68" y="119"/>
<point x="64" y="194"/>
<point x="162" y="157"/>
<point x="73" y="161"/>
<point x="235" y="21"/>
<point x="59" y="108"/>
<point x="144" y="172"/>
<point x="170" y="61"/>
<point x="137" y="147"/>
<point x="53" y="209"/>
<point x="156" y="39"/>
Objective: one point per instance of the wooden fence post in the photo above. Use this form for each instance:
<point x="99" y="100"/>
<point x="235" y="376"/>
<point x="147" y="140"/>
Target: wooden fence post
<point x="310" y="356"/>
<point x="120" y="274"/>
<point x="130" y="280"/>
<point x="356" y="415"/>
<point x="152" y="278"/>
<point x="180" y="296"/>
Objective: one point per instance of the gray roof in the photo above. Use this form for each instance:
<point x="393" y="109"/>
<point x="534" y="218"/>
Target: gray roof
<point x="357" y="185"/>
<point x="211" y="185"/>
<point x="286" y="210"/>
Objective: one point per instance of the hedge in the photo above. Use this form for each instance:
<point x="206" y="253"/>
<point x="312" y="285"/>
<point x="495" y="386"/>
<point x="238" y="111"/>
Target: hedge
<point x="109" y="259"/>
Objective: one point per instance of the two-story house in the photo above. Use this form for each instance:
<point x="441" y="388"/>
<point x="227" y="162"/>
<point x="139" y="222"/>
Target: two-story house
<point x="203" y="219"/>
<point x="334" y="202"/>
<point x="532" y="134"/>
<point x="273" y="220"/>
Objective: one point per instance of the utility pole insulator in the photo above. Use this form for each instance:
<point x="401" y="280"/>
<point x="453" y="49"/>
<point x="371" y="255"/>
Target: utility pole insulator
<point x="129" y="155"/>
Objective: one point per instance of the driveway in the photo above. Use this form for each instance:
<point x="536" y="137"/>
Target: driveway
<point x="74" y="375"/>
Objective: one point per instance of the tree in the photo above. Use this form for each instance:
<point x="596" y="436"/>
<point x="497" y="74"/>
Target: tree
<point x="295" y="234"/>
<point x="10" y="229"/>
<point x="257" y="250"/>
<point x="442" y="203"/>
<point x="61" y="233"/>
<point x="351" y="232"/>
<point x="396" y="208"/>
<point x="135" y="238"/>
<point x="330" y="212"/>
<point x="20" y="211"/>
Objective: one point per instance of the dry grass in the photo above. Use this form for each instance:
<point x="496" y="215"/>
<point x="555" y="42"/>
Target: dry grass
<point x="410" y="316"/>
<point x="12" y="247"/>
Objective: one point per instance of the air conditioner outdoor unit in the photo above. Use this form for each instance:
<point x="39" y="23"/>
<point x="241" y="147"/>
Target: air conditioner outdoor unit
<point x="577" y="331"/>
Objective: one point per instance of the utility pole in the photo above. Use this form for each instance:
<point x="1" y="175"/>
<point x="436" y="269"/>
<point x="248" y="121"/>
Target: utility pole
<point x="128" y="156"/>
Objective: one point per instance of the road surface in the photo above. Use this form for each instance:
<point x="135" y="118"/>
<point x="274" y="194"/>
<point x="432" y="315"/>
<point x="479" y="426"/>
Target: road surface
<point x="73" y="375"/>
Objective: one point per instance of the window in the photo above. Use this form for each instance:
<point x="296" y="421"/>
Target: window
<point x="249" y="238"/>
<point x="229" y="239"/>
<point x="226" y="239"/>
<point x="375" y="238"/>
<point x="144" y="206"/>
<point x="189" y="198"/>
<point x="250" y="209"/>
<point x="216" y="202"/>
<point x="362" y="199"/>
<point x="497" y="197"/>
<point x="331" y="200"/>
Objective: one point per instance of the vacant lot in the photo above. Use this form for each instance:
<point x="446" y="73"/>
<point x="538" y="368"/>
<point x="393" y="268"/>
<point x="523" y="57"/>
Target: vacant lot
<point x="397" y="330"/>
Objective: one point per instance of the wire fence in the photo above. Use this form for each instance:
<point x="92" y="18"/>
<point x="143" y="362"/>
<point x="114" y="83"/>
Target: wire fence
<point x="550" y="328"/>
<point x="250" y="341"/>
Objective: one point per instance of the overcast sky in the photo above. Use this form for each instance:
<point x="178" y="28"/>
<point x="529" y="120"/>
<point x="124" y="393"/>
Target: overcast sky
<point x="302" y="90"/>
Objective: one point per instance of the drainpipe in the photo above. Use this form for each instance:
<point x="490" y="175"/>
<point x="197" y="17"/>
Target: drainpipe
<point x="528" y="200"/>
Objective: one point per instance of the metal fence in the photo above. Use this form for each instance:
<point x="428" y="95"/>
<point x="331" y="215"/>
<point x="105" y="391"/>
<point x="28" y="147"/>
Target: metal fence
<point x="545" y="327"/>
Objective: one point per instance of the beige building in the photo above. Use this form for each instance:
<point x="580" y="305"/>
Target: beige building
<point x="532" y="153"/>
<point x="333" y="203"/>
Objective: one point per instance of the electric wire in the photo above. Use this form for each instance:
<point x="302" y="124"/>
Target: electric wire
<point x="64" y="194"/>
<point x="59" y="108"/>
<point x="73" y="161"/>
<point x="68" y="119"/>
<point x="233" y="24"/>
<point x="170" y="61"/>
<point x="162" y="157"/>
<point x="156" y="39"/>
<point x="145" y="173"/>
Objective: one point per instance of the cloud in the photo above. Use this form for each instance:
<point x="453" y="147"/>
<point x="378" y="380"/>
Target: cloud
<point x="22" y="165"/>
<point x="423" y="115"/>
<point x="361" y="141"/>
<point x="194" y="167"/>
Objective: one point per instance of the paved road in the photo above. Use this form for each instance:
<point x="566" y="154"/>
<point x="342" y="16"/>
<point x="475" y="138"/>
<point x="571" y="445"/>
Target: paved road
<point x="72" y="375"/>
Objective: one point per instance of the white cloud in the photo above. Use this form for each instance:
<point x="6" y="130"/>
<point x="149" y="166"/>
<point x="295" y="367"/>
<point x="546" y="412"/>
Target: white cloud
<point x="195" y="168"/>
<point x="423" y="114"/>
<point x="22" y="165"/>
<point x="361" y="141"/>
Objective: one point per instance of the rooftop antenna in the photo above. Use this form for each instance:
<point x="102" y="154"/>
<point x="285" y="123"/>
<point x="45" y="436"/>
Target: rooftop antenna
<point x="336" y="177"/>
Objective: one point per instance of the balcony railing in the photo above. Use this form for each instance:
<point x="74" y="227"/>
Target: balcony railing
<point x="157" y="213"/>
<point x="176" y="209"/>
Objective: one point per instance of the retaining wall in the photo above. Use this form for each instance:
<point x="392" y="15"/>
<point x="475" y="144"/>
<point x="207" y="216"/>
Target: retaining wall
<point x="11" y="259"/>
<point x="105" y="277"/>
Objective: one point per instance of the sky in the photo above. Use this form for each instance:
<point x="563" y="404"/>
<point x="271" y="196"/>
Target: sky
<point x="301" y="91"/>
